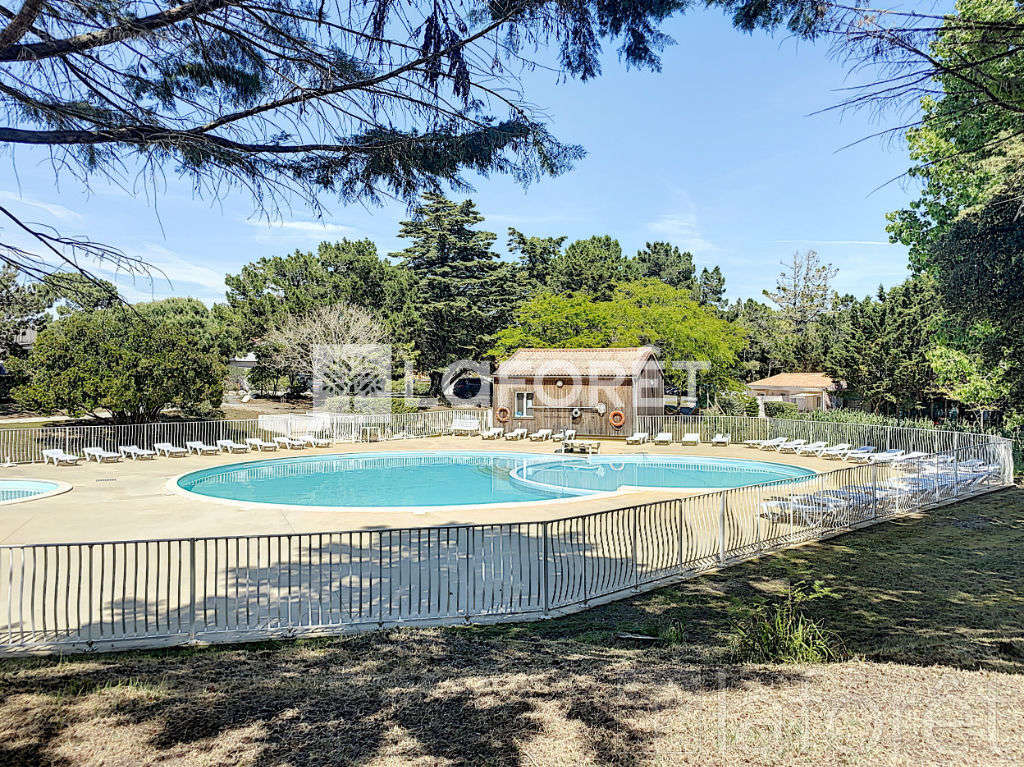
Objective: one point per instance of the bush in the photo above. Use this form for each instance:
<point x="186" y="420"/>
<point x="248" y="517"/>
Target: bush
<point x="783" y="633"/>
<point x="737" y="403"/>
<point x="781" y="410"/>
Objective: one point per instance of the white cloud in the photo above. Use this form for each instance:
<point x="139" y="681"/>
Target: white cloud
<point x="681" y="229"/>
<point x="57" y="211"/>
<point x="315" y="227"/>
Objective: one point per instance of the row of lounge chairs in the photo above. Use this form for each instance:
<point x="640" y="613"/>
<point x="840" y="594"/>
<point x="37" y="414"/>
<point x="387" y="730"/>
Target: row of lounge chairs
<point x="101" y="455"/>
<point x="637" y="438"/>
<point x="843" y="451"/>
<point x="942" y="477"/>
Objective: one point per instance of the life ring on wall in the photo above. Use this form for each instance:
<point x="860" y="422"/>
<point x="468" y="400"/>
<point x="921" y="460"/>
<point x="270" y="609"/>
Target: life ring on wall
<point x="617" y="418"/>
<point x="503" y="413"/>
<point x="576" y="413"/>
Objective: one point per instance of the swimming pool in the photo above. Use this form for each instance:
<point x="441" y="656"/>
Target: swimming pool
<point x="14" y="490"/>
<point x="441" y="479"/>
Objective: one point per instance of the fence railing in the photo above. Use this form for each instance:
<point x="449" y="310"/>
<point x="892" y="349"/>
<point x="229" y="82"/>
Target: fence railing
<point x="120" y="594"/>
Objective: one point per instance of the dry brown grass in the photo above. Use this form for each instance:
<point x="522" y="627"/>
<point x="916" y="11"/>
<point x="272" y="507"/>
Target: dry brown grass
<point x="932" y="610"/>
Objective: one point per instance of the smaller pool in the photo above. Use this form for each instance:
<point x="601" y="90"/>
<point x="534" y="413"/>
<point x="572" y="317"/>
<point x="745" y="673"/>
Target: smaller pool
<point x="14" y="490"/>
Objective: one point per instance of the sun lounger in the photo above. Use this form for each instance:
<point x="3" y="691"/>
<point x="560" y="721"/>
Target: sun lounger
<point x="768" y="444"/>
<point x="580" y="446"/>
<point x="516" y="434"/>
<point x="100" y="455"/>
<point x="558" y="436"/>
<point x="663" y="438"/>
<point x="693" y="438"/>
<point x="58" y="457"/>
<point x="814" y="447"/>
<point x="836" y="451"/>
<point x="540" y="435"/>
<point x="887" y="456"/>
<point x="135" y="452"/>
<point x="260" y="444"/>
<point x="722" y="440"/>
<point x="201" y="447"/>
<point x="637" y="438"/>
<point x="289" y="442"/>
<point x="861" y="454"/>
<point x="463" y="425"/>
<point x="168" y="449"/>
<point x="791" y="446"/>
<point x="493" y="433"/>
<point x="313" y="441"/>
<point x="231" y="446"/>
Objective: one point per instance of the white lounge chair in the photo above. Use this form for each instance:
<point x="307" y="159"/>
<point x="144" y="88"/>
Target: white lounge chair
<point x="169" y="450"/>
<point x="637" y="438"/>
<point x="58" y="456"/>
<point x="231" y="446"/>
<point x="135" y="452"/>
<point x="771" y="444"/>
<point x="813" y="447"/>
<point x="579" y="446"/>
<point x="540" y="435"/>
<point x="313" y="441"/>
<point x="691" y="438"/>
<point x="722" y="440"/>
<point x="836" y="451"/>
<point x="886" y="456"/>
<point x="463" y="425"/>
<point x="791" y="446"/>
<point x="663" y="438"/>
<point x="291" y="442"/>
<point x="261" y="444"/>
<point x="493" y="433"/>
<point x="912" y="456"/>
<point x="565" y="434"/>
<point x="201" y="448"/>
<point x="516" y="434"/>
<point x="100" y="455"/>
<point x="859" y="453"/>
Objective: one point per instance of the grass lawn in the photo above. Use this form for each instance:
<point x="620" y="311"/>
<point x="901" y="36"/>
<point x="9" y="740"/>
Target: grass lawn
<point x="930" y="609"/>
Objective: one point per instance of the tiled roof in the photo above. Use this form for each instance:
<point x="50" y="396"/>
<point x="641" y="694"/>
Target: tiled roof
<point x="796" y="380"/>
<point x="627" y="361"/>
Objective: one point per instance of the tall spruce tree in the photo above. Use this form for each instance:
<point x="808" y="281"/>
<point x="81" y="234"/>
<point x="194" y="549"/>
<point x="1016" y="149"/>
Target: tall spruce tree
<point x="458" y="284"/>
<point x="664" y="261"/>
<point x="710" y="289"/>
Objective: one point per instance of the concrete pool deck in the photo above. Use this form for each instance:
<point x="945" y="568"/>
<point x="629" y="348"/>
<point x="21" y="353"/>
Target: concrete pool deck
<point x="130" y="500"/>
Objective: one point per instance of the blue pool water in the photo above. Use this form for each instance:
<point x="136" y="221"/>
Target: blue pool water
<point x="19" y="489"/>
<point x="464" y="478"/>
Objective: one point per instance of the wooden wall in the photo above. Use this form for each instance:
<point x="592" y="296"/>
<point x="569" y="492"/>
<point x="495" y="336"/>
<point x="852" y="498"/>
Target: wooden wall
<point x="553" y="405"/>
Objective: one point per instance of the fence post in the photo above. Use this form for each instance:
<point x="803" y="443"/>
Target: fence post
<point x="636" y="541"/>
<point x="721" y="529"/>
<point x="682" y="528"/>
<point x="191" y="589"/>
<point x="874" y="489"/>
<point x="544" y="566"/>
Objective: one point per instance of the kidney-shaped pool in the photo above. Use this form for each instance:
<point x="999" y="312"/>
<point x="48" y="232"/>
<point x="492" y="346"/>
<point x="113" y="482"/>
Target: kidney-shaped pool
<point x="439" y="479"/>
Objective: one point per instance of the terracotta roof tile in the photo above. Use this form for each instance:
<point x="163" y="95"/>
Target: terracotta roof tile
<point x="628" y="361"/>
<point x="804" y="380"/>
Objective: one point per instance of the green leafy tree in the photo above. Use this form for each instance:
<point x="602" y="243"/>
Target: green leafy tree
<point x="638" y="313"/>
<point x="132" y="362"/>
<point x="664" y="261"/>
<point x="77" y="292"/>
<point x="594" y="266"/>
<point x="458" y="284"/>
<point x="970" y="379"/>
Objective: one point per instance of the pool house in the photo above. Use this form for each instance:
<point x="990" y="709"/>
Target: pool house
<point x="597" y="392"/>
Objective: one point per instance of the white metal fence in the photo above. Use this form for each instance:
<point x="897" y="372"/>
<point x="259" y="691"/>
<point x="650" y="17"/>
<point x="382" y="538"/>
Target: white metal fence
<point x="120" y="594"/>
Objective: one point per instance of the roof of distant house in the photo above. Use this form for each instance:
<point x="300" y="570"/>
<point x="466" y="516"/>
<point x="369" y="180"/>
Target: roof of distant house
<point x="628" y="361"/>
<point x="795" y="381"/>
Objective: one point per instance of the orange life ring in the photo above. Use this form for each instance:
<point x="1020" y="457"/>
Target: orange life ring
<point x="617" y="418"/>
<point x="503" y="413"/>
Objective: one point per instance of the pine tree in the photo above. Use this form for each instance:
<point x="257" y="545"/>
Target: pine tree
<point x="710" y="290"/>
<point x="664" y="261"/>
<point x="458" y="284"/>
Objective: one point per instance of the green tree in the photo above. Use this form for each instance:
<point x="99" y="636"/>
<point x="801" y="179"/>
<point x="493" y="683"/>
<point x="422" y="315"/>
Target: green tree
<point x="76" y="292"/>
<point x="594" y="265"/>
<point x="535" y="254"/>
<point x="637" y="313"/>
<point x="21" y="309"/>
<point x="710" y="290"/>
<point x="664" y="261"/>
<point x="458" y="284"/>
<point x="133" y="362"/>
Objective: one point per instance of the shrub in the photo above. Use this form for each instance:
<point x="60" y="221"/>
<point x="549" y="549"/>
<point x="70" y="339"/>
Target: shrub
<point x="737" y="403"/>
<point x="784" y="633"/>
<point x="781" y="410"/>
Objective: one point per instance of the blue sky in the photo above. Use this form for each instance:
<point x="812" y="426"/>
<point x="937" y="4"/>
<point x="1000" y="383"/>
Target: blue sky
<point x="719" y="153"/>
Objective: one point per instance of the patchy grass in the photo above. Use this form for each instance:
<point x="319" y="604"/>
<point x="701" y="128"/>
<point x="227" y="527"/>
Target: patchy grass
<point x="931" y="609"/>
